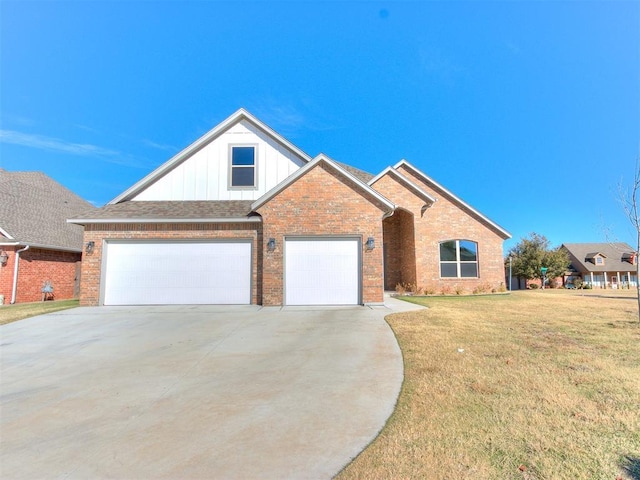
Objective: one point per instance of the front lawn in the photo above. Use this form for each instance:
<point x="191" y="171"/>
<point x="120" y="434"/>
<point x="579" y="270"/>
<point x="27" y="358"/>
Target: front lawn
<point x="19" y="311"/>
<point x="531" y="385"/>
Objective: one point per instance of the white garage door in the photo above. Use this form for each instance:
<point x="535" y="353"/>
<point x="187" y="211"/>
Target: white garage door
<point x="322" y="272"/>
<point x="161" y="273"/>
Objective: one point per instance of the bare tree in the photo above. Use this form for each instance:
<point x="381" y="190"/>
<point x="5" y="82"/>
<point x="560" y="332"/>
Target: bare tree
<point x="628" y="197"/>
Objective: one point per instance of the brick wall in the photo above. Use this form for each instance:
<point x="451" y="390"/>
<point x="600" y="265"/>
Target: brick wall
<point x="6" y="274"/>
<point x="322" y="202"/>
<point x="37" y="266"/>
<point x="92" y="263"/>
<point x="446" y="220"/>
<point x="399" y="232"/>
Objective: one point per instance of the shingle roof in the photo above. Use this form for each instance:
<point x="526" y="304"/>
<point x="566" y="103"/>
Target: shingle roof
<point x="614" y="254"/>
<point x="356" y="172"/>
<point x="170" y="210"/>
<point x="34" y="209"/>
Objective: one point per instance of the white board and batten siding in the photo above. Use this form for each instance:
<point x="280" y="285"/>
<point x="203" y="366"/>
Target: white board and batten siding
<point x="176" y="273"/>
<point x="205" y="175"/>
<point x="322" y="271"/>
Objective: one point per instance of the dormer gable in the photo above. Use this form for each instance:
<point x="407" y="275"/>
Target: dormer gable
<point x="630" y="257"/>
<point x="240" y="159"/>
<point x="596" y="258"/>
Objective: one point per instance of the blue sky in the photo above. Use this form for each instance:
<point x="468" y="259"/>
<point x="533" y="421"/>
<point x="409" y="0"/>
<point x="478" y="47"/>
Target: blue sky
<point x="529" y="111"/>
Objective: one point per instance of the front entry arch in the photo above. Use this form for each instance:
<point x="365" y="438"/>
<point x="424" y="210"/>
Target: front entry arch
<point x="398" y="233"/>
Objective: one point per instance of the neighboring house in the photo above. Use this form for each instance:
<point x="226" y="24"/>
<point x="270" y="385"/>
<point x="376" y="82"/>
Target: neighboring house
<point x="37" y="245"/>
<point x="242" y="216"/>
<point x="602" y="265"/>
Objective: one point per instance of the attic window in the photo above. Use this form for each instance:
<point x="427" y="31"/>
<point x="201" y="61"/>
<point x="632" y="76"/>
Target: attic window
<point x="599" y="261"/>
<point x="243" y="166"/>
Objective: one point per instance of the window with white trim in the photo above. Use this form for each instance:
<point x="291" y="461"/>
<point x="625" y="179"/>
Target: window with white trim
<point x="243" y="166"/>
<point x="458" y="259"/>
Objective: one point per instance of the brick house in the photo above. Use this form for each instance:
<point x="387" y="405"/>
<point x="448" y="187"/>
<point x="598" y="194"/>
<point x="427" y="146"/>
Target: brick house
<point x="602" y="265"/>
<point x="243" y="216"/>
<point x="37" y="245"/>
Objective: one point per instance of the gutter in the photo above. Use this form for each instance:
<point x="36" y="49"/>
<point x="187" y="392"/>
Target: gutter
<point x="14" y="289"/>
<point x="42" y="246"/>
<point x="84" y="221"/>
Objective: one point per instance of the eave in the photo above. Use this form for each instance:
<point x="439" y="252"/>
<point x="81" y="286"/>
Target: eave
<point x="332" y="164"/>
<point x="85" y="221"/>
<point x="455" y="198"/>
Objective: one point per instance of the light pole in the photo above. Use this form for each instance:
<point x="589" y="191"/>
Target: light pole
<point x="510" y="275"/>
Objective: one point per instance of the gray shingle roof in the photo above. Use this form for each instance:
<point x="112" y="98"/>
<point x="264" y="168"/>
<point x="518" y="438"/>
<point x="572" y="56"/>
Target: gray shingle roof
<point x="614" y="254"/>
<point x="34" y="209"/>
<point x="178" y="210"/>
<point x="356" y="172"/>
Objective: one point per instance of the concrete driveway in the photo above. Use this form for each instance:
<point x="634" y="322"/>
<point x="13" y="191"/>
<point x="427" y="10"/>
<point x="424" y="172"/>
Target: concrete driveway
<point x="195" y="392"/>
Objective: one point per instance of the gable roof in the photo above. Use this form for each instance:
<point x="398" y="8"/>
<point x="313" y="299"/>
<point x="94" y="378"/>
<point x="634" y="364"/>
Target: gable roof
<point x="34" y="209"/>
<point x="207" y="138"/>
<point x="615" y="254"/>
<point x="405" y="181"/>
<point x="453" y="197"/>
<point x="179" y="211"/>
<point x="331" y="164"/>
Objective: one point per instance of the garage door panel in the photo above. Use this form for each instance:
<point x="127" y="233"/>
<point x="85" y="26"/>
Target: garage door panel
<point x="157" y="273"/>
<point x="322" y="272"/>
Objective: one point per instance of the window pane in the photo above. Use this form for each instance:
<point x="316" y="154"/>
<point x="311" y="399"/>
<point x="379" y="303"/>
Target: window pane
<point x="468" y="251"/>
<point x="242" y="156"/>
<point x="448" y="252"/>
<point x="448" y="270"/>
<point x="468" y="269"/>
<point x="242" y="177"/>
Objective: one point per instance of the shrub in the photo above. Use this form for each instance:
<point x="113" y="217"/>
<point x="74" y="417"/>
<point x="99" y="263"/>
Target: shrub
<point x="400" y="289"/>
<point x="483" y="288"/>
<point x="577" y="282"/>
<point x="429" y="291"/>
<point x="534" y="286"/>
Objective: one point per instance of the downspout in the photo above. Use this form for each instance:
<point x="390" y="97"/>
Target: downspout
<point x="15" y="273"/>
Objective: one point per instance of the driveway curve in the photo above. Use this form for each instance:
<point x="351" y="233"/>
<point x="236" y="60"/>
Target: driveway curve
<point x="195" y="391"/>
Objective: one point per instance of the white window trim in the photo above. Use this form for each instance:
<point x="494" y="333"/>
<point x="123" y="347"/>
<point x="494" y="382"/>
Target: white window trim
<point x="457" y="261"/>
<point x="231" y="167"/>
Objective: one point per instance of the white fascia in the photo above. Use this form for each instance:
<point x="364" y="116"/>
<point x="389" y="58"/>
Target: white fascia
<point x="408" y="183"/>
<point x="452" y="196"/>
<point x="84" y="221"/>
<point x="5" y="233"/>
<point x="301" y="171"/>
<point x="41" y="245"/>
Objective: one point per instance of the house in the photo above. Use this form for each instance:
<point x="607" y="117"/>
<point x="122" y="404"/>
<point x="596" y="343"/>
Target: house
<point x="243" y="216"/>
<point x="602" y="265"/>
<point x="37" y="245"/>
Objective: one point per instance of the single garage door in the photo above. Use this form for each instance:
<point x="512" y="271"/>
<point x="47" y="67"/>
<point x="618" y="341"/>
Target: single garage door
<point x="161" y="273"/>
<point x="322" y="271"/>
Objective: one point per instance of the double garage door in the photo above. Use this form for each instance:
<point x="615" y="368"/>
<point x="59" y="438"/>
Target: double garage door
<point x="187" y="273"/>
<point x="317" y="271"/>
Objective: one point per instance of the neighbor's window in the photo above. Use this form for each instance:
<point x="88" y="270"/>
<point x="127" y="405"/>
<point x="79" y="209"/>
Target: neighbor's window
<point x="458" y="259"/>
<point x="243" y="166"/>
<point x="599" y="261"/>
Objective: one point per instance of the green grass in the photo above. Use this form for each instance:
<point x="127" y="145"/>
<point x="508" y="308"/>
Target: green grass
<point x="531" y="385"/>
<point x="20" y="311"/>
